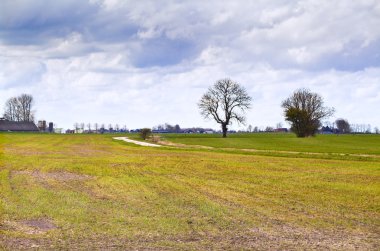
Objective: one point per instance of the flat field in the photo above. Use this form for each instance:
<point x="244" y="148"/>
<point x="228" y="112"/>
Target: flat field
<point x="262" y="191"/>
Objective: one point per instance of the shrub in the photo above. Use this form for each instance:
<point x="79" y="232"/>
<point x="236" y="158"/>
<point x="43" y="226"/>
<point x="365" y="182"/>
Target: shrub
<point x="145" y="133"/>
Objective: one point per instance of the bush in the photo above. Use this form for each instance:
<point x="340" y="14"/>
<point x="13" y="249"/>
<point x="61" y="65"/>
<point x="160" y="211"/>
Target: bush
<point x="145" y="133"/>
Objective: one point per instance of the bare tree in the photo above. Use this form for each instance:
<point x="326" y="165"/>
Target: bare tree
<point x="89" y="127"/>
<point x="177" y="128"/>
<point x="19" y="108"/>
<point x="269" y="129"/>
<point x="222" y="101"/>
<point x="343" y="125"/>
<point x="96" y="125"/>
<point x="304" y="110"/>
<point x="368" y="129"/>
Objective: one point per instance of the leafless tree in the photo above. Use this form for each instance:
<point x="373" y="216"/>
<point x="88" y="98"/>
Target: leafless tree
<point x="343" y="126"/>
<point x="19" y="108"/>
<point x="269" y="129"/>
<point x="96" y="125"/>
<point x="368" y="129"/>
<point x="305" y="110"/>
<point x="89" y="127"/>
<point x="222" y="102"/>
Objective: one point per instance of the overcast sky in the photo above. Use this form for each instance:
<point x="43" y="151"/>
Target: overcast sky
<point x="144" y="63"/>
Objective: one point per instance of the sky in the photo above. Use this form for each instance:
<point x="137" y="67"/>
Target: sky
<point x="144" y="63"/>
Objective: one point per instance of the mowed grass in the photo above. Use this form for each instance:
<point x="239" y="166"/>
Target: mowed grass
<point x="344" y="143"/>
<point x="92" y="192"/>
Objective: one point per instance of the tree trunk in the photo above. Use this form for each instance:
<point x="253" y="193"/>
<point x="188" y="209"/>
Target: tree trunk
<point x="224" y="129"/>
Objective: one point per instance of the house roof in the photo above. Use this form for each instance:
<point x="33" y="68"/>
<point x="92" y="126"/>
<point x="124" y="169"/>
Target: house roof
<point x="15" y="126"/>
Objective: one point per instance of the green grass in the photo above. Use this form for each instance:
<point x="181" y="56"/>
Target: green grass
<point x="105" y="194"/>
<point x="348" y="144"/>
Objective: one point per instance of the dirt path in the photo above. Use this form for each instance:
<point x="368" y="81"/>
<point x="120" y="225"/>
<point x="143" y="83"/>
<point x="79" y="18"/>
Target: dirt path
<point x="179" y="145"/>
<point x="136" y="142"/>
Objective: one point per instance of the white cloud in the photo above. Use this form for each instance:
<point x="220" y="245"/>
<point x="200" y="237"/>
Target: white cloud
<point x="148" y="62"/>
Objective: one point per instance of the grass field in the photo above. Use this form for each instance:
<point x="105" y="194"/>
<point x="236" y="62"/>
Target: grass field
<point x="348" y="143"/>
<point x="93" y="192"/>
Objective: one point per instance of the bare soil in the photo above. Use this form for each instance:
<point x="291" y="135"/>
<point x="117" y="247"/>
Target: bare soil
<point x="29" y="227"/>
<point x="60" y="176"/>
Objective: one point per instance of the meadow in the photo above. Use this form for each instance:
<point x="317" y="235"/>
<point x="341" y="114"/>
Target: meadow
<point x="202" y="192"/>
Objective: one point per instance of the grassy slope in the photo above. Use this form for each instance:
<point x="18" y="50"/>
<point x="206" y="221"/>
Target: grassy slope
<point x="354" y="144"/>
<point x="134" y="197"/>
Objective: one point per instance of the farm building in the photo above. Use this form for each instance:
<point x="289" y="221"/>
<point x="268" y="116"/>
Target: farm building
<point x="15" y="126"/>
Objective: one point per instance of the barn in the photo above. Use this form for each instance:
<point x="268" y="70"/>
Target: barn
<point x="17" y="126"/>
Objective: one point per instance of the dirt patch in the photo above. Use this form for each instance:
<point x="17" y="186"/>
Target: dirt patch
<point x="31" y="226"/>
<point x="60" y="176"/>
<point x="285" y="236"/>
<point x="42" y="225"/>
<point x="281" y="237"/>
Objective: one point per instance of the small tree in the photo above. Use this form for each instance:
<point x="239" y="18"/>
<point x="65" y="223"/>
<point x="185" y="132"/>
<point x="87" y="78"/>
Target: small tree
<point x="343" y="126"/>
<point x="222" y="102"/>
<point x="177" y="128"/>
<point x="145" y="133"/>
<point x="89" y="127"/>
<point x="304" y="110"/>
<point x="76" y="127"/>
<point x="269" y="129"/>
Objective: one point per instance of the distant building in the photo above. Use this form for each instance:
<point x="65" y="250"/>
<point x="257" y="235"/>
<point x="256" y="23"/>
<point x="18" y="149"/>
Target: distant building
<point x="42" y="125"/>
<point x="209" y="132"/>
<point x="17" y="126"/>
<point x="327" y="130"/>
<point x="51" y="127"/>
<point x="281" y="130"/>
